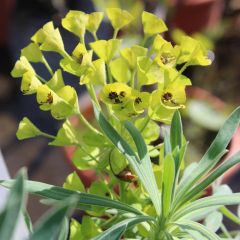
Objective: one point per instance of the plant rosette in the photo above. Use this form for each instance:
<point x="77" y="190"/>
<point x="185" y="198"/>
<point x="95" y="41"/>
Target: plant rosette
<point x="155" y="200"/>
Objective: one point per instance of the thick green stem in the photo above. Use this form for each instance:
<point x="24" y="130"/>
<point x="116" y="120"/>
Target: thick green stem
<point x="132" y="81"/>
<point x="144" y="40"/>
<point x="122" y="191"/>
<point x="110" y="79"/>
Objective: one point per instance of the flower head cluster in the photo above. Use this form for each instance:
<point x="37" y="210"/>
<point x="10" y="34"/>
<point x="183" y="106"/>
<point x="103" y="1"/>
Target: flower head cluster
<point x="142" y="83"/>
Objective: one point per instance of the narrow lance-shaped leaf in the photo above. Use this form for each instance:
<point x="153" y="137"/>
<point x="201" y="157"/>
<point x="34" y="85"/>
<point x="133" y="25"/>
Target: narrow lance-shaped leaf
<point x="116" y="231"/>
<point x="176" y="132"/>
<point x="167" y="143"/>
<point x="167" y="184"/>
<point x="146" y="162"/>
<point x="212" y="201"/>
<point x="138" y="165"/>
<point x="235" y="159"/>
<point x="176" y="137"/>
<point x="63" y="235"/>
<point x="58" y="193"/>
<point x="212" y="156"/>
<point x="49" y="227"/>
<point x="13" y="207"/>
<point x="190" y="226"/>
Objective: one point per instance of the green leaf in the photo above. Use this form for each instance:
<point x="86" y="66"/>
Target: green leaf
<point x="176" y="132"/>
<point x="176" y="138"/>
<point x="212" y="156"/>
<point x="167" y="184"/>
<point x="235" y="159"/>
<point x="117" y="230"/>
<point x="63" y="235"/>
<point x="99" y="189"/>
<point x="14" y="204"/>
<point x="119" y="18"/>
<point x="190" y="226"/>
<point x="212" y="201"/>
<point x="149" y="180"/>
<point x="106" y="50"/>
<point x="27" y="129"/>
<point x="58" y="193"/>
<point x="213" y="221"/>
<point x="28" y="221"/>
<point x="142" y="166"/>
<point x="49" y="226"/>
<point x="152" y="24"/>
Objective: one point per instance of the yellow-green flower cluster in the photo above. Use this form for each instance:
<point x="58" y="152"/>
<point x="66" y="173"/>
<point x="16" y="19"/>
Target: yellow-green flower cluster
<point x="143" y="82"/>
<point x="122" y="73"/>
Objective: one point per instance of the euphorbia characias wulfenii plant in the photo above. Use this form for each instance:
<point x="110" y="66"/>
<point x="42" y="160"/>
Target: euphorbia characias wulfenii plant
<point x="134" y="197"/>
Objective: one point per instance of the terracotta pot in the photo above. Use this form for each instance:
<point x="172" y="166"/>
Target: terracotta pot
<point x="194" y="15"/>
<point x="6" y="8"/>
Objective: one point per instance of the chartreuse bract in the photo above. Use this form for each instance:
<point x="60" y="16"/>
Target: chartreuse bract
<point x="140" y="85"/>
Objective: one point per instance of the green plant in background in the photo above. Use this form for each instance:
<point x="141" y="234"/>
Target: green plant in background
<point x="134" y="198"/>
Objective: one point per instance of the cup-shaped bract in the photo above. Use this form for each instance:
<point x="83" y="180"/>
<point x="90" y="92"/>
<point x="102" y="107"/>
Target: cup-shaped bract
<point x="27" y="129"/>
<point x="119" y="18"/>
<point x="76" y="22"/>
<point x="152" y="24"/>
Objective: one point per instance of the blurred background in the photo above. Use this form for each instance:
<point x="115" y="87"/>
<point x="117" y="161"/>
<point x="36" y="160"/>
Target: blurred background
<point x="215" y="94"/>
